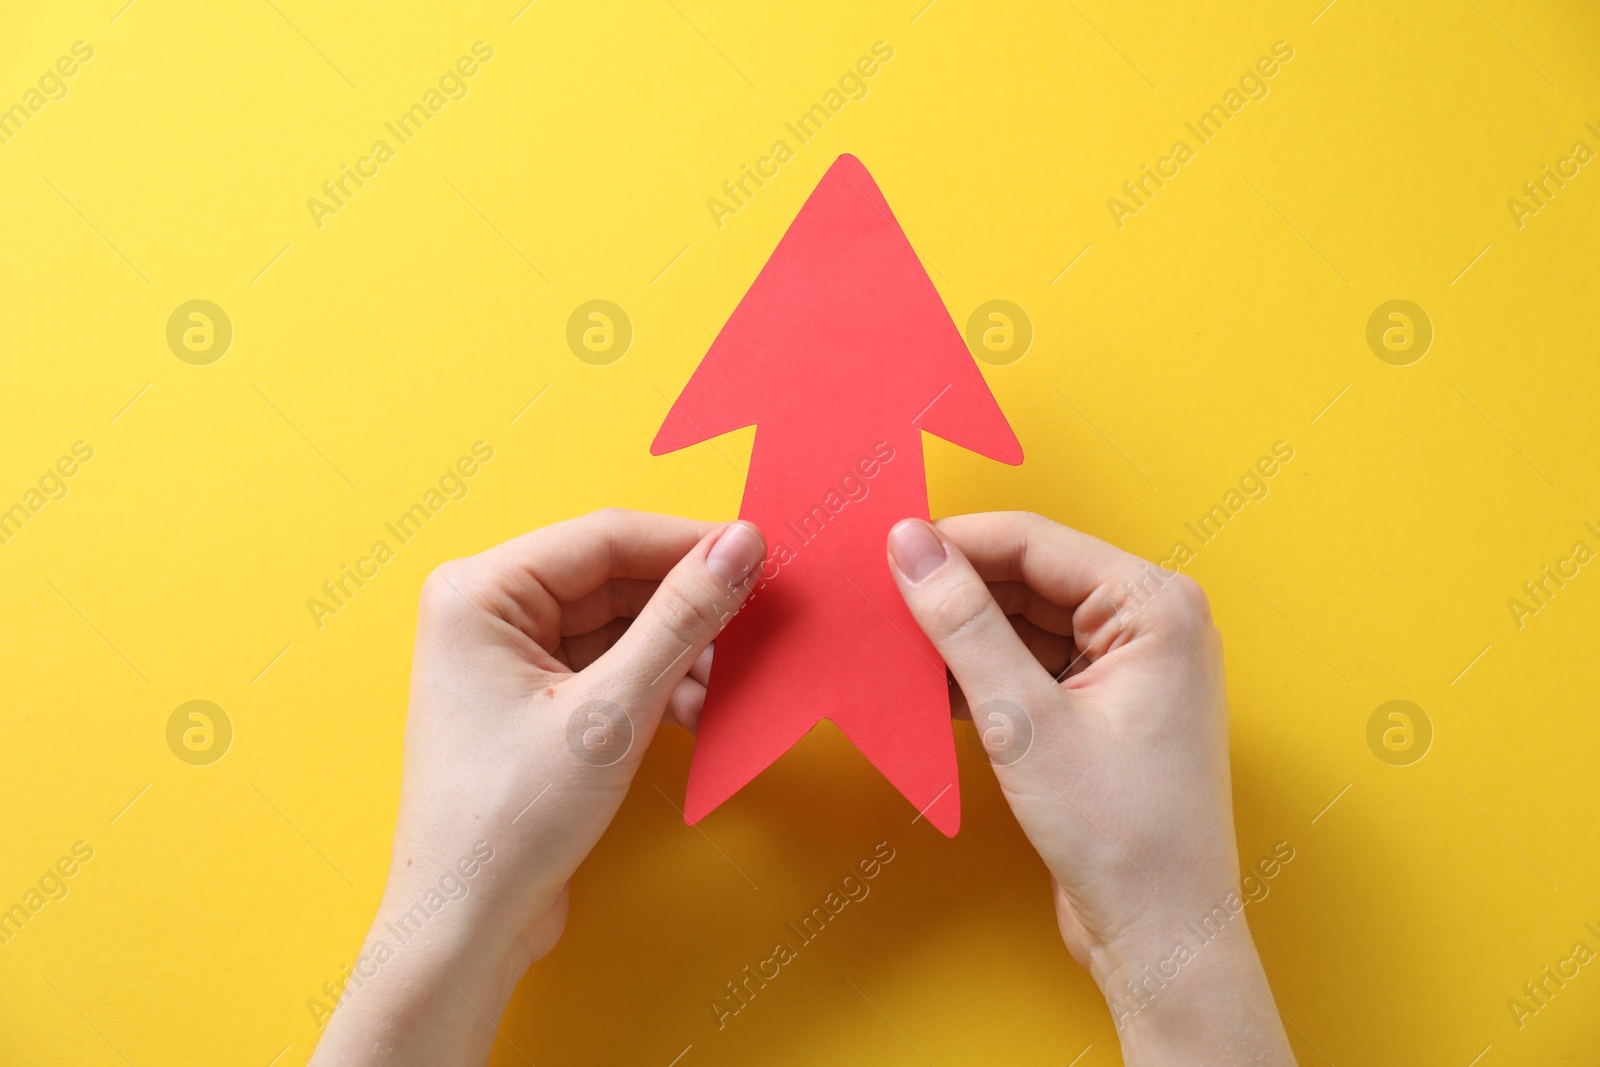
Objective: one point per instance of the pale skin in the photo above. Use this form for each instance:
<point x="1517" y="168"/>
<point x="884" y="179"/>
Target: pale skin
<point x="544" y="666"/>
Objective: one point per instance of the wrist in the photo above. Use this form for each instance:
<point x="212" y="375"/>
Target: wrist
<point x="1195" y="995"/>
<point x="422" y="935"/>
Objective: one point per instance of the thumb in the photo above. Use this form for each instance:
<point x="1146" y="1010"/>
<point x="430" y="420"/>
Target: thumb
<point x="954" y="607"/>
<point x="693" y="603"/>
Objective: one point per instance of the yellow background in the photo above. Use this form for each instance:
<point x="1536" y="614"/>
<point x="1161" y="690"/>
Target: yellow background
<point x="1224" y="316"/>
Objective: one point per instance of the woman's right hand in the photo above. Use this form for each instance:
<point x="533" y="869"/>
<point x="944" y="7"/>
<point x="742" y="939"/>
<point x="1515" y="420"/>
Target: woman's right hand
<point x="1095" y="680"/>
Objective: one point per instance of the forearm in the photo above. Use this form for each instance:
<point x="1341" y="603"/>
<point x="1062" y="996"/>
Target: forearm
<point x="426" y="996"/>
<point x="1197" y="1003"/>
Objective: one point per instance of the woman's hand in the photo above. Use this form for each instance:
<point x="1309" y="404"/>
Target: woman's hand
<point x="1095" y="680"/>
<point x="542" y="668"/>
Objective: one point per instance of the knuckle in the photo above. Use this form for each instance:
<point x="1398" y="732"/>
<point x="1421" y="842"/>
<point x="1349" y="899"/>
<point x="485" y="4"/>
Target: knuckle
<point x="1168" y="600"/>
<point x="1034" y="524"/>
<point x="442" y="589"/>
<point x="1194" y="599"/>
<point x="1183" y="607"/>
<point x="442" y="578"/>
<point x="609" y="521"/>
<point x="688" y="612"/>
<point x="956" y="608"/>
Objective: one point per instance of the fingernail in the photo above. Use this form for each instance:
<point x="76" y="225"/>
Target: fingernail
<point x="916" y="551"/>
<point x="737" y="552"/>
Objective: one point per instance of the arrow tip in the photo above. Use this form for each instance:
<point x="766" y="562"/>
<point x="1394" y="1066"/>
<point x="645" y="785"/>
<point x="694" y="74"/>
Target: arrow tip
<point x="849" y="170"/>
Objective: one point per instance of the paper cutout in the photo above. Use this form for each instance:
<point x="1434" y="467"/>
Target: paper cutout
<point x="841" y="353"/>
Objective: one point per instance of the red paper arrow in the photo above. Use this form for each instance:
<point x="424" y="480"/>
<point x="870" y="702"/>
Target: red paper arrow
<point x="842" y="353"/>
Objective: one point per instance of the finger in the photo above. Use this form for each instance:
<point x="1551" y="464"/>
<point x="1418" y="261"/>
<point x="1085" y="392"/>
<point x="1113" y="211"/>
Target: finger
<point x="453" y="601"/>
<point x="1053" y="651"/>
<point x="689" y="698"/>
<point x="695" y="600"/>
<point x="701" y="671"/>
<point x="527" y="580"/>
<point x="574" y="557"/>
<point x="583" y="649"/>
<point x="1064" y="565"/>
<point x="1056" y="654"/>
<point x="959" y="709"/>
<point x="618" y="598"/>
<point x="1113" y="596"/>
<point x="1015" y="598"/>
<point x="686" y="703"/>
<point x="953" y="607"/>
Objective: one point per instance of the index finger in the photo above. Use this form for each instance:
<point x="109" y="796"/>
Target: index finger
<point x="573" y="558"/>
<point x="528" y="580"/>
<point x="1063" y="565"/>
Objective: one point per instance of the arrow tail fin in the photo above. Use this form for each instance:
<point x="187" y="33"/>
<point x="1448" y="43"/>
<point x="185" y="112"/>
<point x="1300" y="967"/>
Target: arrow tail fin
<point x="866" y="667"/>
